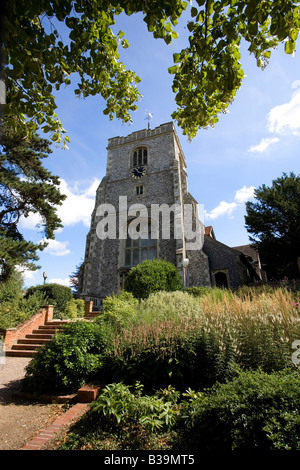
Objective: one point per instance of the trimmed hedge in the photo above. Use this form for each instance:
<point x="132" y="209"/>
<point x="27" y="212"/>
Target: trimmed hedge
<point x="255" y="410"/>
<point x="54" y="294"/>
<point x="152" y="276"/>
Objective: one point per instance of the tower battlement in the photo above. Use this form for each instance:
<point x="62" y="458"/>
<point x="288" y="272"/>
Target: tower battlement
<point x="141" y="134"/>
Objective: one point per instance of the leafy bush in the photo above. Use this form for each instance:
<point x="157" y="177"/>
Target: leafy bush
<point x="125" y="417"/>
<point x="74" y="309"/>
<point x="66" y="361"/>
<point x="152" y="276"/>
<point x="54" y="294"/>
<point x="14" y="307"/>
<point x="80" y="303"/>
<point x="11" y="288"/>
<point x="118" y="403"/>
<point x="197" y="291"/>
<point x="255" y="410"/>
<point x="70" y="310"/>
<point x="182" y="340"/>
<point x="118" y="310"/>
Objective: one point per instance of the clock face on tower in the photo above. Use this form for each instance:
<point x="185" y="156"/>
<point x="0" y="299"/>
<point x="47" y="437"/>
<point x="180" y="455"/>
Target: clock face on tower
<point x="138" y="173"/>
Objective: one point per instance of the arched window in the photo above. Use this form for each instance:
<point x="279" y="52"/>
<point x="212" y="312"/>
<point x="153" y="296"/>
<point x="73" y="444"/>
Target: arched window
<point x="143" y="248"/>
<point x="139" y="157"/>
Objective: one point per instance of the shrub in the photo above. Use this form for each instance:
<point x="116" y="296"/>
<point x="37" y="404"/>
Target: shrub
<point x="80" y="307"/>
<point x="66" y="361"/>
<point x="119" y="403"/>
<point x="182" y="340"/>
<point x="117" y="310"/>
<point x="197" y="291"/>
<point x="123" y="418"/>
<point x="152" y="276"/>
<point x="255" y="410"/>
<point x="54" y="294"/>
<point x="14" y="307"/>
<point x="11" y="288"/>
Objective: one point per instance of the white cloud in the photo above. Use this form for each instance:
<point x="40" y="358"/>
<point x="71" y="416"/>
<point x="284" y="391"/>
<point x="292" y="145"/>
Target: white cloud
<point x="244" y="194"/>
<point x="224" y="208"/>
<point x="264" y="144"/>
<point x="57" y="248"/>
<point x="227" y="208"/>
<point x="286" y="117"/>
<point x="76" y="208"/>
<point x="63" y="282"/>
<point x="79" y="204"/>
<point x="31" y="222"/>
<point x="27" y="274"/>
<point x="283" y="119"/>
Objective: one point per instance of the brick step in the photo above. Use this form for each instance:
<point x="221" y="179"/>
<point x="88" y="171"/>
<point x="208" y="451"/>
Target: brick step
<point x="25" y="347"/>
<point x="57" y="322"/>
<point x="51" y="327"/>
<point x="17" y="353"/>
<point x="29" y="345"/>
<point x="45" y="331"/>
<point x="37" y="336"/>
<point x="39" y="341"/>
<point x="91" y="315"/>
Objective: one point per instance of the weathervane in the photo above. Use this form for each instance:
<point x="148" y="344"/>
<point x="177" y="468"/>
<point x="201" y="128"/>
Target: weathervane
<point x="149" y="117"/>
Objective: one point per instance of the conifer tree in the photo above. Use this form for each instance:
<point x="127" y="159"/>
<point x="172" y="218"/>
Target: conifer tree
<point x="26" y="187"/>
<point x="273" y="220"/>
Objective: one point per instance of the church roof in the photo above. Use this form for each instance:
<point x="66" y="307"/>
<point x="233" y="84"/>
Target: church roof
<point x="249" y="251"/>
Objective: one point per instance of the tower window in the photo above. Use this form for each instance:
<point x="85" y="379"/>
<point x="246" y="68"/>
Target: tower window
<point x="136" y="251"/>
<point x="139" y="190"/>
<point x="140" y="157"/>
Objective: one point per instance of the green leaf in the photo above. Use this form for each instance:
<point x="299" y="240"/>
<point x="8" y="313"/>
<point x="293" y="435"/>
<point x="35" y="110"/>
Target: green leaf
<point x="168" y="27"/>
<point x="125" y="44"/>
<point x="173" y="69"/>
<point x="176" y="57"/>
<point x="289" y="47"/>
<point x="210" y="7"/>
<point x="194" y="12"/>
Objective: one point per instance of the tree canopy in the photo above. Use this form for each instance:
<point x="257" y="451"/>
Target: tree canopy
<point x="25" y="187"/>
<point x="207" y="73"/>
<point x="273" y="220"/>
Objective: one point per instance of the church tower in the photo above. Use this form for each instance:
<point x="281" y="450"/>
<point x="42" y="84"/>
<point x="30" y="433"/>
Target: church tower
<point x="145" y="203"/>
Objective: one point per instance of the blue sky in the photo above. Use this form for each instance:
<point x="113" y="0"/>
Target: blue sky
<point x="252" y="145"/>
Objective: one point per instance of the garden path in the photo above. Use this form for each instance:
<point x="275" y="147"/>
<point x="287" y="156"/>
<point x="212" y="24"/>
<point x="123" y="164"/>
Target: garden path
<point x="20" y="420"/>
